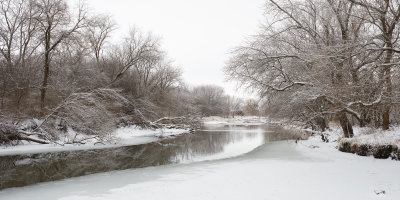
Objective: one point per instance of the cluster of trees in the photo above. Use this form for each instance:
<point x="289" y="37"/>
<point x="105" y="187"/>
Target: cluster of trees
<point x="210" y="100"/>
<point x="315" y="61"/>
<point x="58" y="60"/>
<point x="50" y="49"/>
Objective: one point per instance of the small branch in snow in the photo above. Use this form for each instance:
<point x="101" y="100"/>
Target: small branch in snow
<point x="379" y="192"/>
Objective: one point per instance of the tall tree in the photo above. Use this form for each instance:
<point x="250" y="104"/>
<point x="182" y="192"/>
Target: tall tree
<point x="99" y="30"/>
<point x="385" y="17"/>
<point x="56" y="24"/>
<point x="315" y="58"/>
<point x="18" y="43"/>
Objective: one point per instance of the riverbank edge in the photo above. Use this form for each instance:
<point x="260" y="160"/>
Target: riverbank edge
<point x="124" y="136"/>
<point x="378" y="150"/>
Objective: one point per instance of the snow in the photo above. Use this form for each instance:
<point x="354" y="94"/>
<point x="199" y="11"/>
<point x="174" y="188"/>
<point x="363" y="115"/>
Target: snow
<point x="125" y="132"/>
<point x="362" y="135"/>
<point x="373" y="136"/>
<point x="125" y="136"/>
<point x="239" y="120"/>
<point x="279" y="170"/>
<point x="309" y="169"/>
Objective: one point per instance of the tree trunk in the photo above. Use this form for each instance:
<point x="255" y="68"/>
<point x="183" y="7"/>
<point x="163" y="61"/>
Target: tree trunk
<point x="3" y="95"/>
<point x="45" y="81"/>
<point x="388" y="102"/>
<point x="388" y="83"/>
<point x="386" y="117"/>
<point x="322" y="123"/>
<point x="363" y="122"/>
<point x="346" y="125"/>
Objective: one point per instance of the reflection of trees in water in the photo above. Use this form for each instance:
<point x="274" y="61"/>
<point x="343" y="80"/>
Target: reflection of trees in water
<point x="201" y="144"/>
<point x="277" y="133"/>
<point x="21" y="170"/>
<point x="210" y="142"/>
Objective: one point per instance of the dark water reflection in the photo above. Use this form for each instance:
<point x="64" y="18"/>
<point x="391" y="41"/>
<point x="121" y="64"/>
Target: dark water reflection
<point x="212" y="142"/>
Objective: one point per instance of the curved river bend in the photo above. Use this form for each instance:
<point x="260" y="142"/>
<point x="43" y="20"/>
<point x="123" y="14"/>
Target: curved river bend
<point x="210" y="143"/>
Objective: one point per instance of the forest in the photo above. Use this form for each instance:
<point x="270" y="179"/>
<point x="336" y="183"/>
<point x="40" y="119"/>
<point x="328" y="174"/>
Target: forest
<point x="61" y="67"/>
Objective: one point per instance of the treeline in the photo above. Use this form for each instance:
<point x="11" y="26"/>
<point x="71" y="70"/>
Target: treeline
<point x="59" y="63"/>
<point x="317" y="61"/>
<point x="51" y="49"/>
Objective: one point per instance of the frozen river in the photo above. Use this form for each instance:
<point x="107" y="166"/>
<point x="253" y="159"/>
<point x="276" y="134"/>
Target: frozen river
<point x="233" y="162"/>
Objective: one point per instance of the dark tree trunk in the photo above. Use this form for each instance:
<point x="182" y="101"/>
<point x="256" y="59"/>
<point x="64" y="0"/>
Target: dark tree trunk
<point x="3" y="94"/>
<point x="45" y="82"/>
<point x="46" y="69"/>
<point x="346" y="125"/>
<point x="388" y="83"/>
<point x="388" y="102"/>
<point x="366" y="117"/>
<point x="322" y="123"/>
<point x="362" y="122"/>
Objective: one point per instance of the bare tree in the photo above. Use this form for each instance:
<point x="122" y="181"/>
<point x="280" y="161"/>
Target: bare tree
<point x="235" y="105"/>
<point x="210" y="100"/>
<point x="88" y="86"/>
<point x="135" y="48"/>
<point x="251" y="107"/>
<point x="56" y="24"/>
<point x="385" y="17"/>
<point x="99" y="30"/>
<point x="18" y="45"/>
<point x="317" y="64"/>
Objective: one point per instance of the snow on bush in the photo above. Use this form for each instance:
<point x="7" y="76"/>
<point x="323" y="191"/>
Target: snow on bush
<point x="92" y="115"/>
<point x="372" y="136"/>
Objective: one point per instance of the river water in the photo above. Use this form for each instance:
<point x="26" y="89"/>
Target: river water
<point x="212" y="142"/>
<point x="217" y="162"/>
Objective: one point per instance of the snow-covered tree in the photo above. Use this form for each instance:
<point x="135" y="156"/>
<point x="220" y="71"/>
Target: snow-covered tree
<point x="316" y="59"/>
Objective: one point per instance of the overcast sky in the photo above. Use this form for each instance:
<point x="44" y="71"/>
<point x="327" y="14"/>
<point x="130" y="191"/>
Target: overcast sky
<point x="197" y="34"/>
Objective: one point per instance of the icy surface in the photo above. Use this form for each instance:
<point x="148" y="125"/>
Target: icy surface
<point x="281" y="170"/>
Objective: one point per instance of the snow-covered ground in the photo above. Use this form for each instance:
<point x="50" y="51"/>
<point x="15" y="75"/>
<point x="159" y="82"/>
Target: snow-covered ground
<point x="309" y="169"/>
<point x="131" y="135"/>
<point x="281" y="170"/>
<point x="238" y="120"/>
<point x="372" y="136"/>
<point x="362" y="135"/>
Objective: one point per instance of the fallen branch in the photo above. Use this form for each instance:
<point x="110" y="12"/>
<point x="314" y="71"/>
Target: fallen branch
<point x="33" y="140"/>
<point x="9" y="133"/>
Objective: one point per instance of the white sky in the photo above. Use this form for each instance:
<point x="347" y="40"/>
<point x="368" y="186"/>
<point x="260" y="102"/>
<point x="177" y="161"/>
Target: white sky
<point x="196" y="34"/>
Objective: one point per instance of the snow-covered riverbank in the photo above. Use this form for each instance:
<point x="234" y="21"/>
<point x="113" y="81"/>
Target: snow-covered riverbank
<point x="280" y="170"/>
<point x="238" y="120"/>
<point x="125" y="136"/>
<point x="371" y="136"/>
<point x="306" y="169"/>
<point x="367" y="141"/>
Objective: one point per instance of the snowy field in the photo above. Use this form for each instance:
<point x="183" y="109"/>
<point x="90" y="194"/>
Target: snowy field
<point x="131" y="135"/>
<point x="281" y="170"/>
